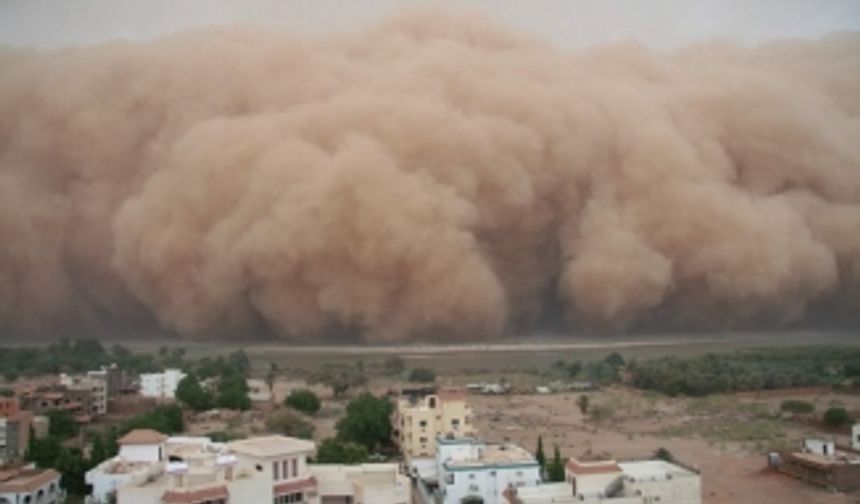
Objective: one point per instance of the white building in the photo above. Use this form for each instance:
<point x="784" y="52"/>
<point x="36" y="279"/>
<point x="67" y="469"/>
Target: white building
<point x="96" y="384"/>
<point x="153" y="469"/>
<point x="40" y="486"/>
<point x="610" y="482"/>
<point x="468" y="467"/>
<point x="161" y="385"/>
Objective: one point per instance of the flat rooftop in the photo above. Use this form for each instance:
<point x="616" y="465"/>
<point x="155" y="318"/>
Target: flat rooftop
<point x="653" y="470"/>
<point x="271" y="446"/>
<point x="500" y="455"/>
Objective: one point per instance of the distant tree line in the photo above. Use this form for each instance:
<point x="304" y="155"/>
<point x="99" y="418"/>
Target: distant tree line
<point x="748" y="370"/>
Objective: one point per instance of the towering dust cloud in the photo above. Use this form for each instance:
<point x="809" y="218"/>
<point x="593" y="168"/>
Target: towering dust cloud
<point x="431" y="176"/>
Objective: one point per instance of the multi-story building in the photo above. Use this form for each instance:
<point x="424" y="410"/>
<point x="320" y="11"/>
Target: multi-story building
<point x="610" y="482"/>
<point x="154" y="469"/>
<point x="8" y="406"/>
<point x="14" y="436"/>
<point x="96" y="384"/>
<point x="161" y="385"/>
<point x="43" y="400"/>
<point x="38" y="486"/>
<point x="419" y="421"/>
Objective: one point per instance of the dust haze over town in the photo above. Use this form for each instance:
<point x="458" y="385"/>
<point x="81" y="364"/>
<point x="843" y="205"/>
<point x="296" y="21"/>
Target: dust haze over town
<point x="417" y="171"/>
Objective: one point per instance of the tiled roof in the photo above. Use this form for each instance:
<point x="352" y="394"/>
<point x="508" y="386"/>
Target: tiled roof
<point x="27" y="480"/>
<point x="142" y="437"/>
<point x="194" y="496"/>
<point x="295" y="486"/>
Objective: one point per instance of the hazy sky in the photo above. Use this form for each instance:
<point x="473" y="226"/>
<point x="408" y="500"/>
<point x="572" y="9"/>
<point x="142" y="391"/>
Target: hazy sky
<point x="571" y="23"/>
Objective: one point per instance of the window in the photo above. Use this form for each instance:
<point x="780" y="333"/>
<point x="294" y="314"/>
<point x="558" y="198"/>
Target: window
<point x="422" y="423"/>
<point x="449" y="479"/>
<point x="275" y="471"/>
<point x="288" y="498"/>
<point x="422" y="439"/>
<point x="285" y="468"/>
<point x="455" y="422"/>
<point x="471" y="476"/>
<point x="295" y="467"/>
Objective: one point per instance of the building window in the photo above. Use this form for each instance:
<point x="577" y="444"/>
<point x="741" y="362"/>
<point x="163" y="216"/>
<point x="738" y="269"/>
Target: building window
<point x="422" y="439"/>
<point x="295" y="467"/>
<point x="275" y="472"/>
<point x="422" y="423"/>
<point x="288" y="498"/>
<point x="285" y="467"/>
<point x="455" y="422"/>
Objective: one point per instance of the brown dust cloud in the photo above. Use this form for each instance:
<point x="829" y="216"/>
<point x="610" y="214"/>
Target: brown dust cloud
<point x="432" y="176"/>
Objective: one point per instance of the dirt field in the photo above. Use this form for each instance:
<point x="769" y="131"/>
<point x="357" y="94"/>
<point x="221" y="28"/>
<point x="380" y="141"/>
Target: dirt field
<point x="731" y="459"/>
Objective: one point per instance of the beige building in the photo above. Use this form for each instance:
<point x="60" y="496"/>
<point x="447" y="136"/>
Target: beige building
<point x="25" y="485"/>
<point x="418" y="421"/>
<point x="155" y="469"/>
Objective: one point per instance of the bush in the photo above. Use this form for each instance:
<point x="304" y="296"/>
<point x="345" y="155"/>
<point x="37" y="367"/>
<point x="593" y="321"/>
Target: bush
<point x="335" y="451"/>
<point x="290" y="423"/>
<point x="422" y="375"/>
<point x="192" y="394"/>
<point x="394" y="365"/>
<point x="664" y="454"/>
<point x="837" y="417"/>
<point x="796" y="406"/>
<point x="303" y="400"/>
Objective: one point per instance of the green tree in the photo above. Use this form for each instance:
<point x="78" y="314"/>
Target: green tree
<point x="239" y="361"/>
<point x="167" y="419"/>
<point x="555" y="470"/>
<point x="338" y="379"/>
<point x="614" y="359"/>
<point x="582" y="402"/>
<point x="233" y="392"/>
<point x="664" y="454"/>
<point x="62" y="424"/>
<point x="290" y="423"/>
<point x="836" y="417"/>
<point x="335" y="451"/>
<point x="367" y="421"/>
<point x="98" y="450"/>
<point x="540" y="456"/>
<point x="422" y="375"/>
<point x="192" y="394"/>
<point x="303" y="400"/>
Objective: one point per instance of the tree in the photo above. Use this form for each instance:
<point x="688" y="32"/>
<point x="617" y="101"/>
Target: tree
<point x="303" y="400"/>
<point x="290" y="423"/>
<point x="62" y="424"/>
<point x="614" y="359"/>
<point x="422" y="375"/>
<point x="540" y="456"/>
<point x="394" y="365"/>
<point x="239" y="361"/>
<point x="837" y="417"/>
<point x="192" y="394"/>
<point x="582" y="402"/>
<point x="367" y="421"/>
<point x="338" y="379"/>
<point x="167" y="419"/>
<point x="335" y="451"/>
<point x="555" y="470"/>
<point x="664" y="454"/>
<point x="98" y="451"/>
<point x="233" y="392"/>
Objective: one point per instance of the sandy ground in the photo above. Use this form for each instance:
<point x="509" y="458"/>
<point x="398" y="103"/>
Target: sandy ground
<point x="732" y="472"/>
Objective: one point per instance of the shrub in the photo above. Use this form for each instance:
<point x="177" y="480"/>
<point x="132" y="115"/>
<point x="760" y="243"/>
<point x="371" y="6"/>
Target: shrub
<point x="422" y="375"/>
<point x="837" y="417"/>
<point x="290" y="423"/>
<point x="303" y="400"/>
<point x="335" y="451"/>
<point x="797" y="406"/>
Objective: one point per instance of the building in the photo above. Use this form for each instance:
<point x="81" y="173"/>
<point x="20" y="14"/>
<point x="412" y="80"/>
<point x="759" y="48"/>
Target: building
<point x="14" y="436"/>
<point x="45" y="399"/>
<point x="112" y="376"/>
<point x="466" y="467"/>
<point x="161" y="385"/>
<point x="822" y="462"/>
<point x="96" y="384"/>
<point x="24" y="485"/>
<point x="611" y="482"/>
<point x="420" y="420"/>
<point x="154" y="469"/>
<point x="361" y="484"/>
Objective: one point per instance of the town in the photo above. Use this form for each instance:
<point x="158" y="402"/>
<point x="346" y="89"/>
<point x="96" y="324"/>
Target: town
<point x="83" y="423"/>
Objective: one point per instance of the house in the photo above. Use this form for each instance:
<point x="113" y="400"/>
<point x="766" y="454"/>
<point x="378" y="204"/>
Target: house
<point x="419" y="420"/>
<point x="466" y="467"/>
<point x="611" y="482"/>
<point x="822" y="462"/>
<point x="45" y="399"/>
<point x="25" y="485"/>
<point x="155" y="469"/>
<point x="161" y="385"/>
